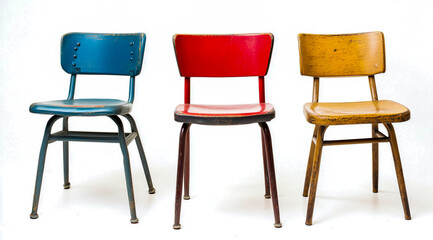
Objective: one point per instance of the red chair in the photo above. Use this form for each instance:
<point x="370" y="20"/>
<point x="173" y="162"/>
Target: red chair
<point x="242" y="55"/>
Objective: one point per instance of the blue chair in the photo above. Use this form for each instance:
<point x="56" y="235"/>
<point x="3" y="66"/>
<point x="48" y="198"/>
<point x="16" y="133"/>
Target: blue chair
<point x="94" y="53"/>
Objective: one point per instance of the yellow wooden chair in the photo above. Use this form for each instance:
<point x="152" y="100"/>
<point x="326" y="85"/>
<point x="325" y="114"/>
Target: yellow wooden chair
<point x="348" y="55"/>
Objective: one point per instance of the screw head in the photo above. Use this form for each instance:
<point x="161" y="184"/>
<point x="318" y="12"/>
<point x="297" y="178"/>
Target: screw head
<point x="131" y="43"/>
<point x="75" y="56"/>
<point x="74" y="64"/>
<point x="75" y="48"/>
<point x="78" y="44"/>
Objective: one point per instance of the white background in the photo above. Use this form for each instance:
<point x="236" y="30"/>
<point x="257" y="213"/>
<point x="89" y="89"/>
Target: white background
<point x="226" y="173"/>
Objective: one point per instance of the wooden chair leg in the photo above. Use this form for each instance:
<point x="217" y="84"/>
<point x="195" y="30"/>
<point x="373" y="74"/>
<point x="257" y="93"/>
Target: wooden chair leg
<point x="265" y="166"/>
<point x="66" y="183"/>
<point x="134" y="128"/>
<point x="309" y="165"/>
<point x="180" y="170"/>
<point x="315" y="173"/>
<point x="375" y="157"/>
<point x="398" y="170"/>
<point x="41" y="165"/>
<point x="186" y="170"/>
<point x="127" y="168"/>
<point x="271" y="173"/>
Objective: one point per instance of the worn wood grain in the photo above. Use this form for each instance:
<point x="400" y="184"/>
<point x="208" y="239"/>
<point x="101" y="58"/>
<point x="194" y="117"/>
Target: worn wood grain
<point x="355" y="112"/>
<point x="360" y="54"/>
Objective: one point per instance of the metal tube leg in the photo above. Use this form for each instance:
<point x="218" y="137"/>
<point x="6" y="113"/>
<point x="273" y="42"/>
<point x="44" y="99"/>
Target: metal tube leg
<point x="141" y="152"/>
<point x="41" y="165"/>
<point x="127" y="168"/>
<point x="66" y="183"/>
<point x="180" y="170"/>
<point x="271" y="172"/>
<point x="309" y="165"/>
<point x="315" y="173"/>
<point x="265" y="167"/>
<point x="398" y="170"/>
<point x="375" y="158"/>
<point x="186" y="170"/>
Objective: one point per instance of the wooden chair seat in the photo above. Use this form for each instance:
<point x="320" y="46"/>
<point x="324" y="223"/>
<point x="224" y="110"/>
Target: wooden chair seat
<point x="382" y="111"/>
<point x="82" y="107"/>
<point x="224" y="114"/>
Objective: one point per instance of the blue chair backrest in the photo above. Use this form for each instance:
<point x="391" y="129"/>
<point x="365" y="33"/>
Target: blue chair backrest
<point x="98" y="53"/>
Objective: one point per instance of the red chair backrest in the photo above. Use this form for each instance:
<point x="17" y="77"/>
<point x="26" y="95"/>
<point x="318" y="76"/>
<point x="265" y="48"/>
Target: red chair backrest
<point x="239" y="55"/>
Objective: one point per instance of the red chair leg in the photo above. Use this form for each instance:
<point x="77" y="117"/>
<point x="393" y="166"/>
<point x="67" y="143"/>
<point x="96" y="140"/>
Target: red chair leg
<point x="186" y="171"/>
<point x="180" y="170"/>
<point x="271" y="172"/>
<point x="265" y="166"/>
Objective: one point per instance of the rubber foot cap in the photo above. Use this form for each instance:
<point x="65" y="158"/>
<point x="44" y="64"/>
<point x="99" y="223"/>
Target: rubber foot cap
<point x="278" y="225"/>
<point x="176" y="227"/>
<point x="152" y="191"/>
<point x="34" y="216"/>
<point x="267" y="196"/>
<point x="66" y="185"/>
<point x="186" y="197"/>
<point x="134" y="220"/>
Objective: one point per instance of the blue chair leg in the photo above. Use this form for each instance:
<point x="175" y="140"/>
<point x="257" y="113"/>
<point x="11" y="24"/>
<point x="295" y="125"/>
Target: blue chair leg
<point x="41" y="165"/>
<point x="141" y="152"/>
<point x="66" y="183"/>
<point x="127" y="168"/>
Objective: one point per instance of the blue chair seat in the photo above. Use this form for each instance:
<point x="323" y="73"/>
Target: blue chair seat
<point x="82" y="107"/>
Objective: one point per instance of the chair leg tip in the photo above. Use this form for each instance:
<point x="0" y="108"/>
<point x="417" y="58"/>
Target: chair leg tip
<point x="66" y="185"/>
<point x="152" y="191"/>
<point x="134" y="220"/>
<point x="408" y="217"/>
<point x="34" y="216"/>
<point x="176" y="226"/>
<point x="186" y="197"/>
<point x="267" y="196"/>
<point x="278" y="225"/>
<point x="308" y="223"/>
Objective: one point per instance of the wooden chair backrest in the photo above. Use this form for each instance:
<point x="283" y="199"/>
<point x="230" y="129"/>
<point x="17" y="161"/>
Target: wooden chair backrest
<point x="360" y="54"/>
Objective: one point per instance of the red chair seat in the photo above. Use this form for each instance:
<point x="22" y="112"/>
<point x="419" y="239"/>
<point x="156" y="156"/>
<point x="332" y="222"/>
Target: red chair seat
<point x="224" y="114"/>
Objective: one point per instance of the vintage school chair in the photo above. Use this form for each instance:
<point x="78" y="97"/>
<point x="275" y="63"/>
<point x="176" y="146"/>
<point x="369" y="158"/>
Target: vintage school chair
<point x="348" y="55"/>
<point x="94" y="53"/>
<point x="242" y="55"/>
